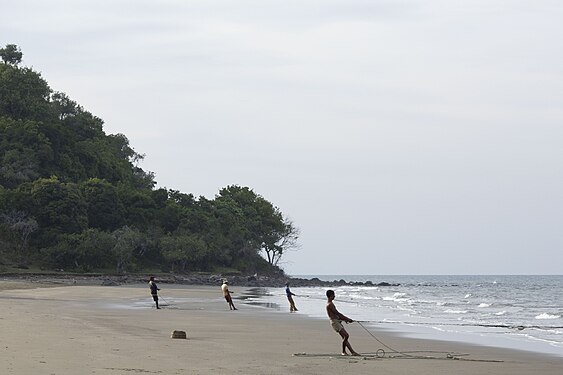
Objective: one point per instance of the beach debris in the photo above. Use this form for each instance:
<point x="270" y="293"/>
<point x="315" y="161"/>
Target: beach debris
<point x="178" y="335"/>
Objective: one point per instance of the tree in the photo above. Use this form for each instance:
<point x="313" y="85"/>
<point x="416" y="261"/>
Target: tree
<point x="64" y="106"/>
<point x="24" y="94"/>
<point x="182" y="250"/>
<point x="59" y="208"/>
<point x="17" y="166"/>
<point x="24" y="151"/>
<point x="84" y="251"/>
<point x="11" y="54"/>
<point x="88" y="204"/>
<point x="266" y="228"/>
<point x="103" y="205"/>
<point x="139" y="209"/>
<point x="284" y="241"/>
<point x="22" y="226"/>
<point x="126" y="241"/>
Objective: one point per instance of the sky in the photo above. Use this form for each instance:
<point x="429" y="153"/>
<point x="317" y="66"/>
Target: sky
<point x="400" y="136"/>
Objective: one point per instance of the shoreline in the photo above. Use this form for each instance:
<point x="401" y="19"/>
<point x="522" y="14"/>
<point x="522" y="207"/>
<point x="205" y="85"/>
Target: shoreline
<point x="204" y="279"/>
<point x="274" y="299"/>
<point x="410" y="331"/>
<point x="256" y="293"/>
<point x="115" y="330"/>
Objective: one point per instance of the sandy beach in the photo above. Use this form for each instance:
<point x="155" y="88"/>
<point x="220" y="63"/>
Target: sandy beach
<point x="115" y="330"/>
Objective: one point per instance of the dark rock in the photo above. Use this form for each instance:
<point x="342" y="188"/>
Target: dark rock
<point x="108" y="282"/>
<point x="258" y="281"/>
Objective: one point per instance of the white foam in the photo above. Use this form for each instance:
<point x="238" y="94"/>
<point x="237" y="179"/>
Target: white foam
<point x="547" y="316"/>
<point x="360" y="296"/>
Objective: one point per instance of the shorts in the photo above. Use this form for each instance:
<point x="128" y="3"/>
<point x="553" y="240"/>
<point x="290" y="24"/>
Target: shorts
<point x="336" y="325"/>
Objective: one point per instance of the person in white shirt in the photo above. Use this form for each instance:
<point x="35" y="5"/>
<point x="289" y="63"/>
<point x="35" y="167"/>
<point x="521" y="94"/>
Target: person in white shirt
<point x="227" y="294"/>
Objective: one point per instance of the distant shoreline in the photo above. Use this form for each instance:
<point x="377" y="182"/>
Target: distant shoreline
<point x="210" y="279"/>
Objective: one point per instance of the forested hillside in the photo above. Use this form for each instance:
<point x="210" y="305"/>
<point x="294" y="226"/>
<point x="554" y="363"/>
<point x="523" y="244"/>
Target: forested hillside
<point x="73" y="197"/>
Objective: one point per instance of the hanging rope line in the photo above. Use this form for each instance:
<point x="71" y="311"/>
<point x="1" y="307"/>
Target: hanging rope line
<point x="509" y="326"/>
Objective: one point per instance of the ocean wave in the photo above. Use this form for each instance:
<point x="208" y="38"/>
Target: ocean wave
<point x="449" y="311"/>
<point x="523" y="308"/>
<point x="545" y="316"/>
<point x="361" y="296"/>
<point x="400" y="299"/>
<point x="402" y="308"/>
<point x="556" y="343"/>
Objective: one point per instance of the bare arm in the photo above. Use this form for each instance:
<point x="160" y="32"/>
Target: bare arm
<point x="333" y="313"/>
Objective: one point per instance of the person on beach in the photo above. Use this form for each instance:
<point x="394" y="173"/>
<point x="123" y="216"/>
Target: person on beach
<point x="290" y="295"/>
<point x="154" y="291"/>
<point x="227" y="295"/>
<point x="336" y="319"/>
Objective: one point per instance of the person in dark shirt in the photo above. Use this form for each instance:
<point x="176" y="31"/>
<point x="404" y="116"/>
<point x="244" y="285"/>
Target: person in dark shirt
<point x="154" y="290"/>
<point x="290" y="295"/>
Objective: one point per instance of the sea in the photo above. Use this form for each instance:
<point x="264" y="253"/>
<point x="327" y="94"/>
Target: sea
<point x="522" y="312"/>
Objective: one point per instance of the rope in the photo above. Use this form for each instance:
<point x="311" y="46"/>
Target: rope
<point x="378" y="340"/>
<point x="518" y="327"/>
<point x="406" y="355"/>
<point x="165" y="301"/>
<point x="369" y="356"/>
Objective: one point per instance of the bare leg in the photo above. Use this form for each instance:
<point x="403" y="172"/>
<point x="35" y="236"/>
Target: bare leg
<point x="231" y="304"/>
<point x="346" y="343"/>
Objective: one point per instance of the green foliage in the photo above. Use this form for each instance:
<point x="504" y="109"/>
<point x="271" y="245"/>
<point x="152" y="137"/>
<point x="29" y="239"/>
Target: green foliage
<point x="139" y="209"/>
<point x="103" y="204"/>
<point x="59" y="208"/>
<point x="23" y="94"/>
<point x="127" y="241"/>
<point x="17" y="226"/>
<point x="74" y="197"/>
<point x="185" y="251"/>
<point x="23" y="150"/>
<point x="266" y="228"/>
<point x="86" y="251"/>
<point x="11" y="54"/>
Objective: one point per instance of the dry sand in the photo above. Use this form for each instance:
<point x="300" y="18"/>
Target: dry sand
<point x="112" y="330"/>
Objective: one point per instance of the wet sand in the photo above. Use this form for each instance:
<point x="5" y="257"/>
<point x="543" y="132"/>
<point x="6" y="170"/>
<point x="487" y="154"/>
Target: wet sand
<point x="115" y="330"/>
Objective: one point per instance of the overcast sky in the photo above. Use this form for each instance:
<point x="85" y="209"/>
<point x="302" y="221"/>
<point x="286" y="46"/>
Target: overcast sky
<point x="400" y="136"/>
